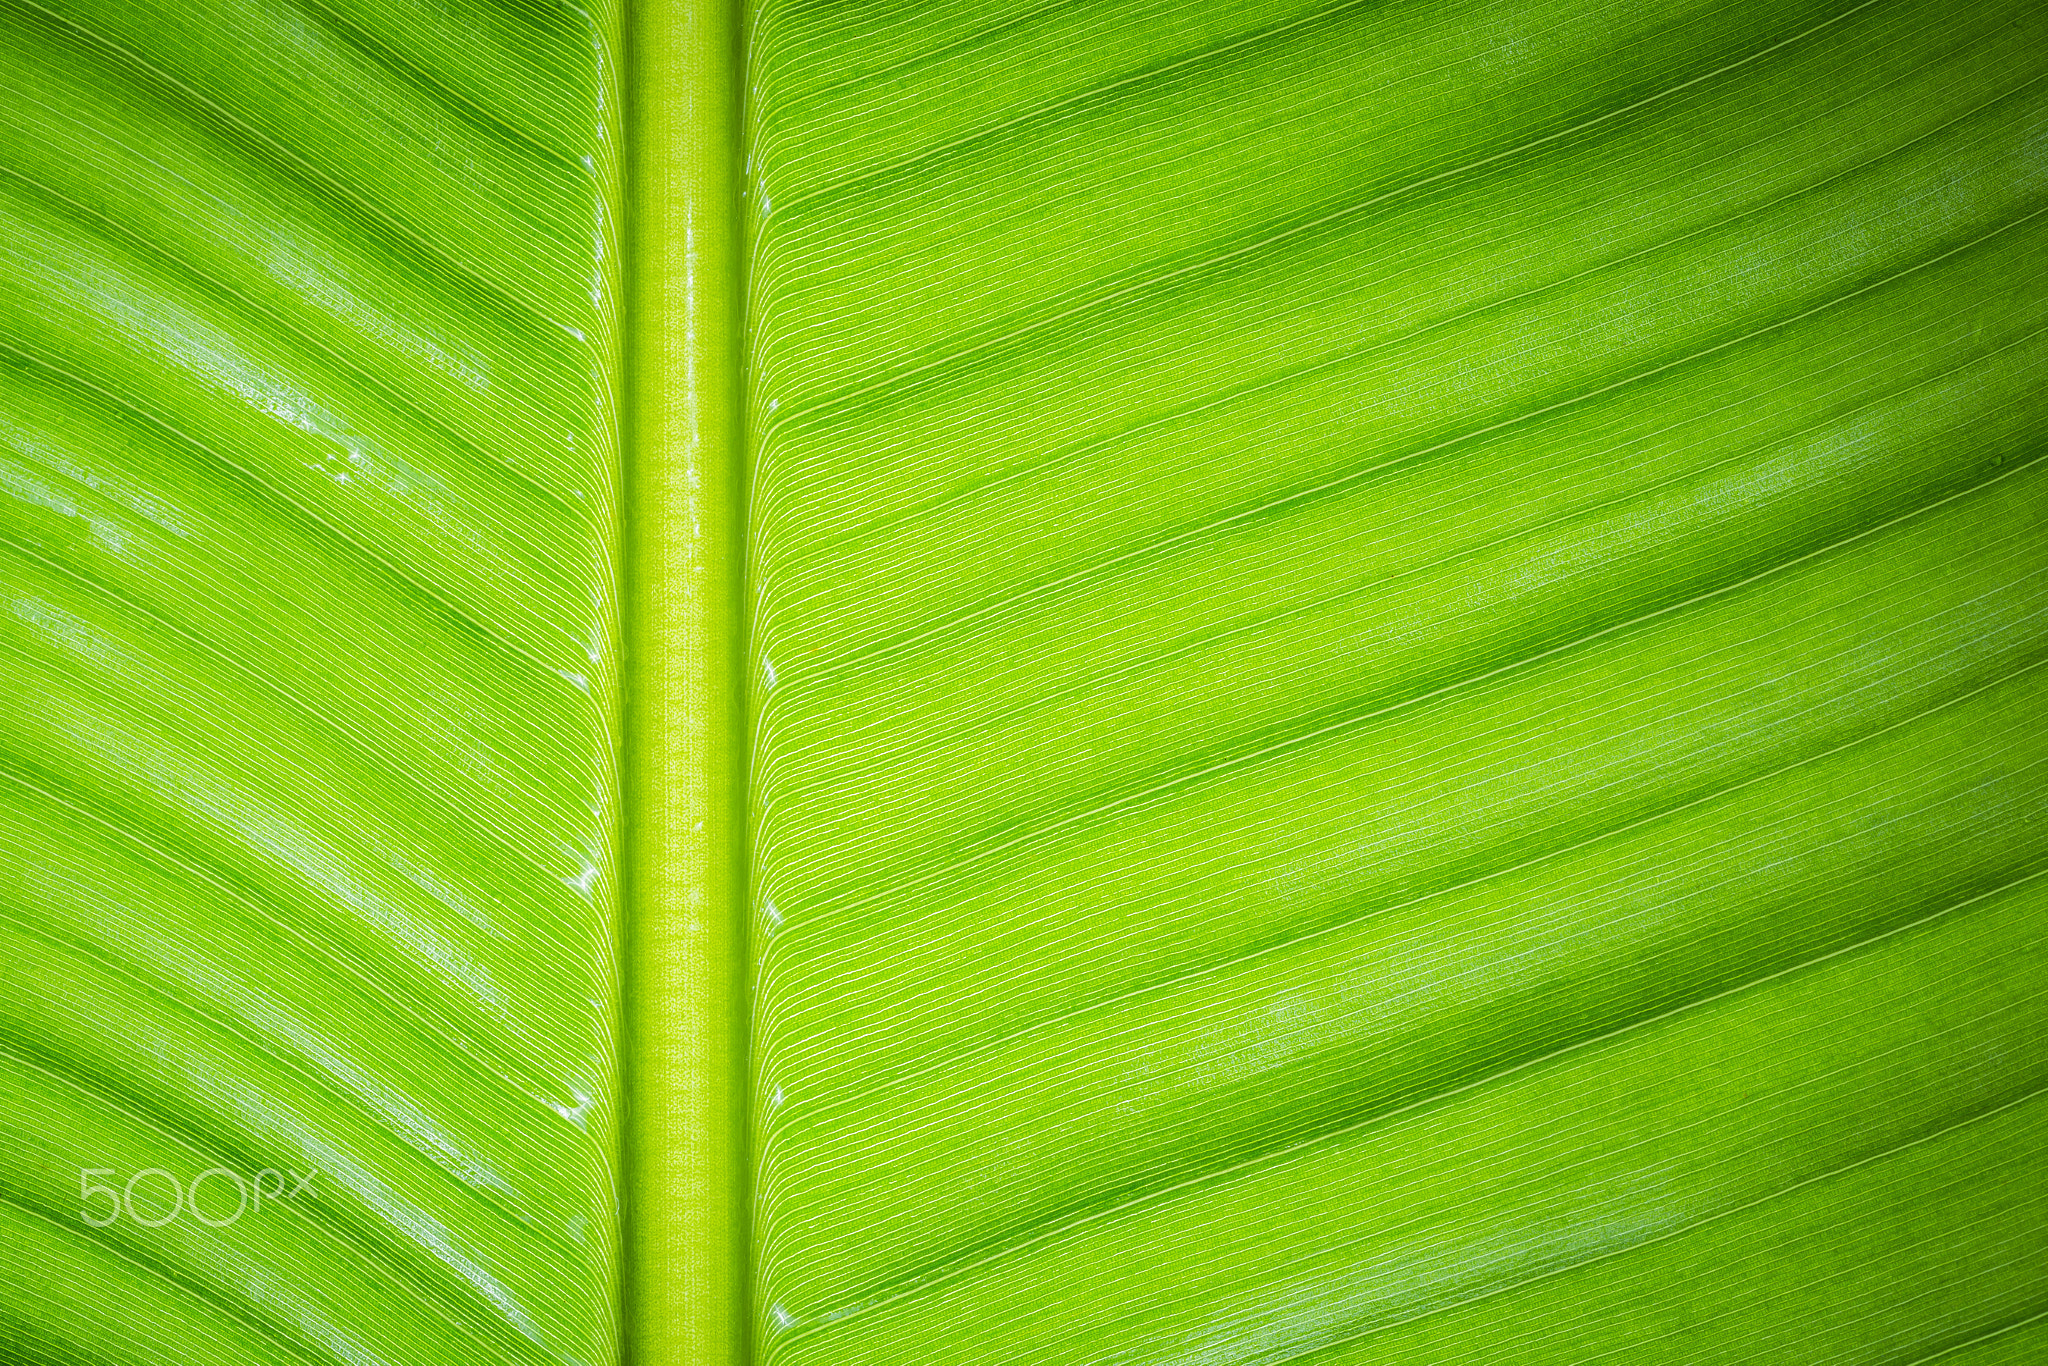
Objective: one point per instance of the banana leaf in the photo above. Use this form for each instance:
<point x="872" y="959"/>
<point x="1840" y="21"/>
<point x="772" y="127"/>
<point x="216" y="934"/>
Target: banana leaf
<point x="1390" y="706"/>
<point x="1396" y="658"/>
<point x="309" y="894"/>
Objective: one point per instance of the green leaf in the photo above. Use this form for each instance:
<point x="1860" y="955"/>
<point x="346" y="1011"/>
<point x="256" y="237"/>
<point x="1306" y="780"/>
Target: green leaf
<point x="308" y="681"/>
<point x="1398" y="695"/>
<point x="1393" y="682"/>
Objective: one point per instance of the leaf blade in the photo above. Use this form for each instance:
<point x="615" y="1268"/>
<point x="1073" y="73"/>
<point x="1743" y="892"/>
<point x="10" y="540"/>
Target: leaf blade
<point x="311" y="659"/>
<point x="1557" y="531"/>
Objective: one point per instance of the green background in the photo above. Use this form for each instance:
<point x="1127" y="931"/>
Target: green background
<point x="1072" y="681"/>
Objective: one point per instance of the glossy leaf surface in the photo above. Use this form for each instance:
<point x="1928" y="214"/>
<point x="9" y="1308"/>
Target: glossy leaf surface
<point x="307" y="682"/>
<point x="1396" y="662"/>
<point x="1397" y="658"/>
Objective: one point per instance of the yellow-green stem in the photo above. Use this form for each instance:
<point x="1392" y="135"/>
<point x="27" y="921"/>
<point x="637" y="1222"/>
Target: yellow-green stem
<point x="685" y="1215"/>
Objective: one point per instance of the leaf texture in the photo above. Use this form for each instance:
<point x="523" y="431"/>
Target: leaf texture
<point x="1397" y="661"/>
<point x="308" y="680"/>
